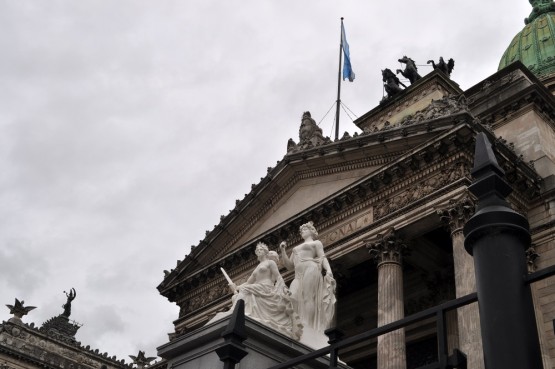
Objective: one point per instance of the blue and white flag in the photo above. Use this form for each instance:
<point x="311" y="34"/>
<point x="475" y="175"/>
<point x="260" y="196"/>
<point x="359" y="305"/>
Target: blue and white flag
<point x="347" y="69"/>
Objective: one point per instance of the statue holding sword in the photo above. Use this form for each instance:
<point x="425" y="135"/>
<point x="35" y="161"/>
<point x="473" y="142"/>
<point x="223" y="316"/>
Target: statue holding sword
<point x="267" y="298"/>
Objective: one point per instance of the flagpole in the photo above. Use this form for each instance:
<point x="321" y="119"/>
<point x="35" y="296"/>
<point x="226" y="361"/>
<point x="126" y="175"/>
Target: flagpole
<point x="338" y="102"/>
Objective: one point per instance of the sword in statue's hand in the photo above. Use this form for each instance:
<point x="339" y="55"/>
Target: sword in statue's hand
<point x="229" y="281"/>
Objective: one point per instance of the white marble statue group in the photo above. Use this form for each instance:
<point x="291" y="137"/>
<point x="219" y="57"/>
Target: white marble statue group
<point x="305" y="309"/>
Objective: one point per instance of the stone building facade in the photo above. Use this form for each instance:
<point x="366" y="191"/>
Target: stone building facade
<point x="390" y="204"/>
<point x="53" y="345"/>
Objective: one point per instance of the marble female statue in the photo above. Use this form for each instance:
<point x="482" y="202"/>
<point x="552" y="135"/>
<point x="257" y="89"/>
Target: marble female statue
<point x="313" y="288"/>
<point x="267" y="298"/>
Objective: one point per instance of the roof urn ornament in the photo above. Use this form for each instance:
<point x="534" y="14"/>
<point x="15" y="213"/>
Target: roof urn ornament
<point x="411" y="71"/>
<point x="446" y="68"/>
<point x="19" y="310"/>
<point x="141" y="360"/>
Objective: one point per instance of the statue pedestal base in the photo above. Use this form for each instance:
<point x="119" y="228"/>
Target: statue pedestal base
<point x="265" y="347"/>
<point x="313" y="339"/>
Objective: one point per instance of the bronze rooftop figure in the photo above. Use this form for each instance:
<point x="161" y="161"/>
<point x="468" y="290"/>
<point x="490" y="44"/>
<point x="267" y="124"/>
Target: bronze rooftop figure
<point x="446" y="68"/>
<point x="411" y="71"/>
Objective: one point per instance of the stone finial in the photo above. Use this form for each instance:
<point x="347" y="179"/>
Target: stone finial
<point x="387" y="248"/>
<point x="19" y="310"/>
<point x="141" y="360"/>
<point x="310" y="135"/>
<point x="457" y="212"/>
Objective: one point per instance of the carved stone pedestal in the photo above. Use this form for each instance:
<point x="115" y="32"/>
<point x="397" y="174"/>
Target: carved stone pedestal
<point x="264" y="346"/>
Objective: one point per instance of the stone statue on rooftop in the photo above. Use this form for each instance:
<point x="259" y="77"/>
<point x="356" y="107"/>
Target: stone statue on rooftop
<point x="411" y="71"/>
<point x="267" y="298"/>
<point x="67" y="306"/>
<point x="313" y="289"/>
<point x="446" y="68"/>
<point x="310" y="135"/>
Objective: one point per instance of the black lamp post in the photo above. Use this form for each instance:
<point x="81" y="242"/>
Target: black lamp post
<point x="497" y="237"/>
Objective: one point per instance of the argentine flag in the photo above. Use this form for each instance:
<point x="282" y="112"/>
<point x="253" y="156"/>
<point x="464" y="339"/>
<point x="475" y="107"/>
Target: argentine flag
<point x="347" y="69"/>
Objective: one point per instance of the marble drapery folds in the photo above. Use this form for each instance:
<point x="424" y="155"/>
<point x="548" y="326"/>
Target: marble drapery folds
<point x="271" y="305"/>
<point x="313" y="295"/>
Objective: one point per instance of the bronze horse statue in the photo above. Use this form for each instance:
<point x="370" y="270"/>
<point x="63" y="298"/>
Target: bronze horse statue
<point x="410" y="72"/>
<point x="391" y="83"/>
<point x="446" y="68"/>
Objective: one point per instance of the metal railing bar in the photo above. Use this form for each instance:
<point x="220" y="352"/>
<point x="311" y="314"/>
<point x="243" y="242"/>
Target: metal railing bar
<point x="424" y="314"/>
<point x="540" y="274"/>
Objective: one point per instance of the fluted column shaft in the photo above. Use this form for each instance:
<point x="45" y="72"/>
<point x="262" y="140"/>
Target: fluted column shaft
<point x="468" y="317"/>
<point x="387" y="251"/>
<point x="391" y="346"/>
<point x="455" y="216"/>
<point x="531" y="257"/>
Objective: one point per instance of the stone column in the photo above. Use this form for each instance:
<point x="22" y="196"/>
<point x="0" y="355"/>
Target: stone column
<point x="387" y="251"/>
<point x="531" y="256"/>
<point x="468" y="317"/>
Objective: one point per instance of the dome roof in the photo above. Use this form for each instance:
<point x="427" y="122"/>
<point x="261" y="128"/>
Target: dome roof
<point x="534" y="46"/>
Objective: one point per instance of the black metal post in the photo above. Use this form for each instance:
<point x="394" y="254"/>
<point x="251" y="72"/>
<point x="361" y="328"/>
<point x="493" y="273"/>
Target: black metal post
<point x="232" y="350"/>
<point x="497" y="237"/>
<point x="338" y="102"/>
<point x="334" y="335"/>
<point x="441" y="339"/>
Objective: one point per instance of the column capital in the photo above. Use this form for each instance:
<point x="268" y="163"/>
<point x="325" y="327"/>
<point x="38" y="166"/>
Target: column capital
<point x="387" y="248"/>
<point x="457" y="212"/>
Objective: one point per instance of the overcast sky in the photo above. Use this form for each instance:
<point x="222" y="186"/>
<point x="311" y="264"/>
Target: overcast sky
<point x="128" y="127"/>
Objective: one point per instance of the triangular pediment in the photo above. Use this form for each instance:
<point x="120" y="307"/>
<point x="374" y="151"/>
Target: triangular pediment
<point x="304" y="194"/>
<point x="299" y="182"/>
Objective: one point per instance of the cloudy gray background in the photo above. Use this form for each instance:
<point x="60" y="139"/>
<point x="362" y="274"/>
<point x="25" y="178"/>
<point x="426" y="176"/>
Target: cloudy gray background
<point x="128" y="127"/>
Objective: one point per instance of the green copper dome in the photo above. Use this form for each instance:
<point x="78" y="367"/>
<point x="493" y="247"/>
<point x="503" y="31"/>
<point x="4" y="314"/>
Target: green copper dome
<point x="534" y="46"/>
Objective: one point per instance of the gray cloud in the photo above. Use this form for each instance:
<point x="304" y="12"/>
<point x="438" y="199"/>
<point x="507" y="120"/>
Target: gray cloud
<point x="127" y="128"/>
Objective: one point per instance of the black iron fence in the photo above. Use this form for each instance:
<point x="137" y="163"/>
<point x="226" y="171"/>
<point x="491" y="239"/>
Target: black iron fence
<point x="444" y="361"/>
